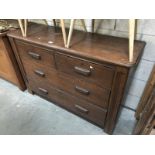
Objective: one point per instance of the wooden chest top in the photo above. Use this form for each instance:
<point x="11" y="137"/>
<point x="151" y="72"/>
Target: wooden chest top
<point x="113" y="50"/>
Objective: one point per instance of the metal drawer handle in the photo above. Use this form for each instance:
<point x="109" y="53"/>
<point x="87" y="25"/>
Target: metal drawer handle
<point x="81" y="109"/>
<point x="82" y="90"/>
<point x="82" y="71"/>
<point x="40" y="73"/>
<point x="34" y="55"/>
<point x="44" y="91"/>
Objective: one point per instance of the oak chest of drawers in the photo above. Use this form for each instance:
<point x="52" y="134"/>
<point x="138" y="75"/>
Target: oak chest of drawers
<point x="9" y="69"/>
<point x="88" y="79"/>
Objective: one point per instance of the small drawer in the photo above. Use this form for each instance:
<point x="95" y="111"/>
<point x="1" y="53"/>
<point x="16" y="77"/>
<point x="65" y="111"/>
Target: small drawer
<point x="33" y="54"/>
<point x="79" y="88"/>
<point x="97" y="73"/>
<point x="76" y="105"/>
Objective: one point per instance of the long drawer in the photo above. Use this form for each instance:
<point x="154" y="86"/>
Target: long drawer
<point x="97" y="73"/>
<point x="76" y="105"/>
<point x="35" y="55"/>
<point x="74" y="86"/>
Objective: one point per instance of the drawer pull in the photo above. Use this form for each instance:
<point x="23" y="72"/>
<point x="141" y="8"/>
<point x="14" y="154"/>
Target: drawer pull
<point x="82" y="90"/>
<point x="40" y="73"/>
<point x="34" y="55"/>
<point x="82" y="71"/>
<point x="81" y="109"/>
<point x="44" y="91"/>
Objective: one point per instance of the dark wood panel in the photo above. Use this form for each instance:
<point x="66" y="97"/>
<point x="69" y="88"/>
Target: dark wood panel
<point x="9" y="69"/>
<point x="76" y="105"/>
<point x="120" y="80"/>
<point x="34" y="54"/>
<point x="6" y="70"/>
<point x="76" y="87"/>
<point x="99" y="74"/>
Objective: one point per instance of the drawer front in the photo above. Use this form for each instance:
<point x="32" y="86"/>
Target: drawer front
<point x="74" y="86"/>
<point x="79" y="107"/>
<point x="33" y="54"/>
<point x="83" y="69"/>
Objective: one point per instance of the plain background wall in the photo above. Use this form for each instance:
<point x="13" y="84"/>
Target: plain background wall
<point x="119" y="27"/>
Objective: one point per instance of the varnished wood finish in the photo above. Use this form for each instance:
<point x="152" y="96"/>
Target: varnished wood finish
<point x="113" y="50"/>
<point x="72" y="103"/>
<point x="86" y="70"/>
<point x="34" y="54"/>
<point x="120" y="80"/>
<point x="8" y="66"/>
<point x="88" y="79"/>
<point x="146" y="108"/>
<point x="95" y="94"/>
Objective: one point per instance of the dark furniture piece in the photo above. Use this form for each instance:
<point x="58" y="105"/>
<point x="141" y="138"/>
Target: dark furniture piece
<point x="145" y="112"/>
<point x="9" y="69"/>
<point x="88" y="79"/>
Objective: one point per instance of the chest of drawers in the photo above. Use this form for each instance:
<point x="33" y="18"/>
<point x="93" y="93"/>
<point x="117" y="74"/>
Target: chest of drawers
<point x="9" y="69"/>
<point x="88" y="79"/>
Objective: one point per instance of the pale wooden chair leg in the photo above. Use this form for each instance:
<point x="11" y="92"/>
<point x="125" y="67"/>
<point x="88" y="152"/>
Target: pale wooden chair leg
<point x="63" y="31"/>
<point x="21" y="27"/>
<point x="25" y="26"/>
<point x="131" y="38"/>
<point x="70" y="32"/>
<point x="45" y="21"/>
<point x="83" y="24"/>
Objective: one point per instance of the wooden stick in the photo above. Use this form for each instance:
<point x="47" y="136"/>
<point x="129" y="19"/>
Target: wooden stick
<point x="70" y="32"/>
<point x="55" y="24"/>
<point x="21" y="27"/>
<point x="25" y="26"/>
<point x="45" y="21"/>
<point x="63" y="31"/>
<point x="83" y="24"/>
<point x="93" y="26"/>
<point x="131" y="38"/>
